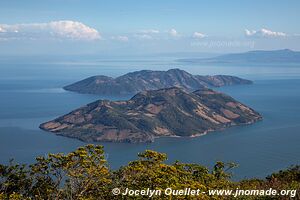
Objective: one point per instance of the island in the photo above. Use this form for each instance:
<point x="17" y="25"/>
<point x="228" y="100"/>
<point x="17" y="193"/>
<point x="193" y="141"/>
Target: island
<point x="259" y="56"/>
<point x="168" y="112"/>
<point x="134" y="82"/>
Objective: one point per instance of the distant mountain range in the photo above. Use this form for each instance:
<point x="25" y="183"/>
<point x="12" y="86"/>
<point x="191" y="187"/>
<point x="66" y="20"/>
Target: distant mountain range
<point x="150" y="114"/>
<point x="138" y="81"/>
<point x="276" y="56"/>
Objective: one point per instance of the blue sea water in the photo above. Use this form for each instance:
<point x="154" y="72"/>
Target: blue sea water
<point x="31" y="93"/>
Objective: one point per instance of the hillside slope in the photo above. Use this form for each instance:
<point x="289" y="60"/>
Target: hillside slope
<point x="155" y="113"/>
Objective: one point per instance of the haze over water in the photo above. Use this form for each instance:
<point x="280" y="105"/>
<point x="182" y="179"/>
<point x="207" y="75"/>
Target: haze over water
<point x="31" y="93"/>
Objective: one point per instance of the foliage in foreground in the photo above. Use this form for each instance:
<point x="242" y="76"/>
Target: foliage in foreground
<point x="84" y="174"/>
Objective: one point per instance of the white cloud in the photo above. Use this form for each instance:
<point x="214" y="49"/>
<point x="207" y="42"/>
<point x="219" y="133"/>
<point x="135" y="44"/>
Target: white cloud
<point x="147" y="34"/>
<point x="74" y="30"/>
<point x="173" y="33"/>
<point x="53" y="30"/>
<point x="149" y="31"/>
<point x="143" y="36"/>
<point x="2" y="30"/>
<point x="120" y="38"/>
<point x="264" y="33"/>
<point x="198" y="35"/>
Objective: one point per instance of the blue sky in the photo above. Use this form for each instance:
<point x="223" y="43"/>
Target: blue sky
<point x="135" y="26"/>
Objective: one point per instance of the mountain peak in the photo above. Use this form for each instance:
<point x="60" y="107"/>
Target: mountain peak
<point x="176" y="70"/>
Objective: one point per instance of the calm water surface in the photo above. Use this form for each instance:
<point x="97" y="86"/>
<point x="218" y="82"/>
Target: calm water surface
<point x="30" y="93"/>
